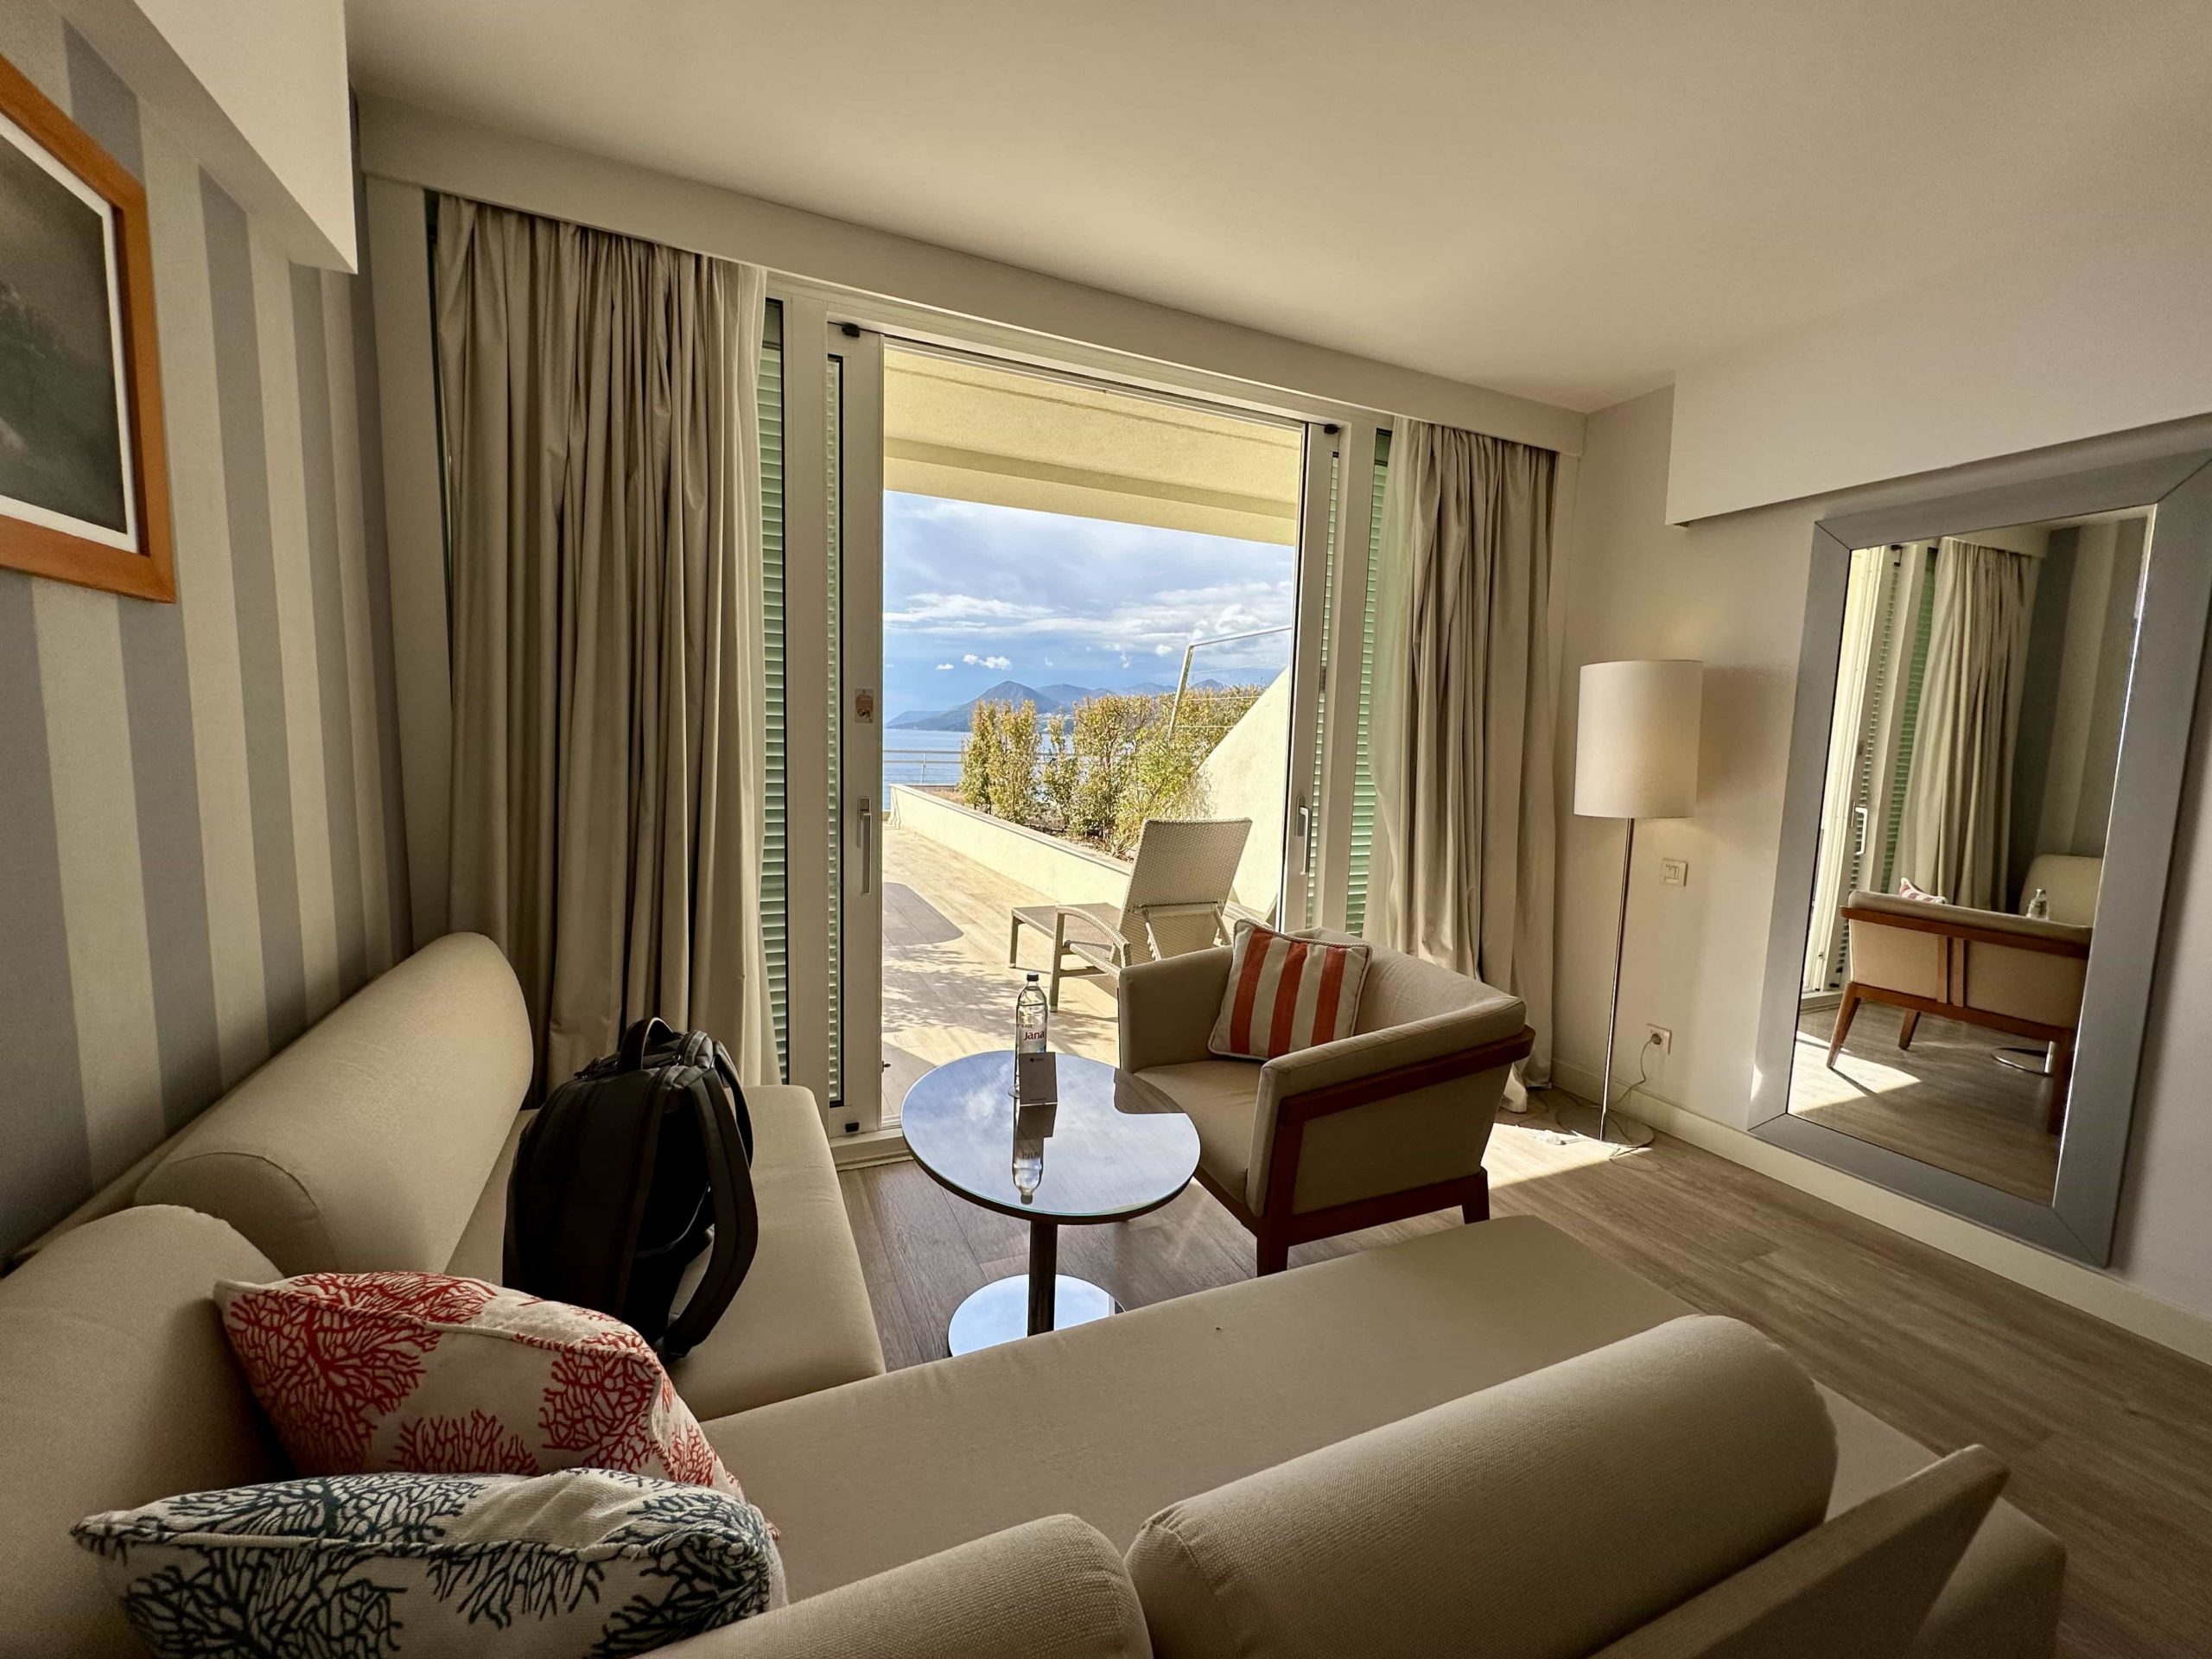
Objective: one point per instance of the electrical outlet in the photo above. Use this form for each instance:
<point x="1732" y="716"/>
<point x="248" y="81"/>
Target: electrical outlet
<point x="1674" y="872"/>
<point x="1660" y="1038"/>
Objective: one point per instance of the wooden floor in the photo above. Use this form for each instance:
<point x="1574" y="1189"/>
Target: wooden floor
<point x="2109" y="1437"/>
<point x="1944" y="1101"/>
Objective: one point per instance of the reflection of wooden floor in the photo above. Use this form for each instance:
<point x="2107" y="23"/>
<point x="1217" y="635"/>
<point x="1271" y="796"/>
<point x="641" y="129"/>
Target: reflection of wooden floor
<point x="947" y="990"/>
<point x="1943" y="1100"/>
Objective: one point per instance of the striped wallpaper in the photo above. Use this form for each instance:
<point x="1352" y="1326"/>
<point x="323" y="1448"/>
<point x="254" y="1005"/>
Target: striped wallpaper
<point x="200" y="847"/>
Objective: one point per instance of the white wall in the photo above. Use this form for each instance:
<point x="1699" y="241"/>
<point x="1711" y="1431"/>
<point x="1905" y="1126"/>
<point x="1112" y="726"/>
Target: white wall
<point x="1730" y="591"/>
<point x="2097" y="332"/>
<point x="258" y="89"/>
<point x="413" y="147"/>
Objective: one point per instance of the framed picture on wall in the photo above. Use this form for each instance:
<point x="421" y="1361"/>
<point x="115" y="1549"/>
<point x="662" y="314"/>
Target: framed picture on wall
<point x="84" y="483"/>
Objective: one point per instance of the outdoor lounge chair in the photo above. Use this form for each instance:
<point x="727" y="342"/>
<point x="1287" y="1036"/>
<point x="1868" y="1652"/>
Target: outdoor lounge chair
<point x="1178" y="894"/>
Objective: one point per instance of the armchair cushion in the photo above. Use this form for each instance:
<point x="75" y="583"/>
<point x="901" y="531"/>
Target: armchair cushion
<point x="1219" y="1097"/>
<point x="1286" y="992"/>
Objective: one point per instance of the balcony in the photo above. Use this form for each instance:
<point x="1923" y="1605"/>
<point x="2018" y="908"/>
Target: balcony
<point x="947" y="990"/>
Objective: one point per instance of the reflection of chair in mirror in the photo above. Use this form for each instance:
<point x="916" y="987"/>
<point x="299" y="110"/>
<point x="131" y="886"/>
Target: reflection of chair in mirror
<point x="1979" y="967"/>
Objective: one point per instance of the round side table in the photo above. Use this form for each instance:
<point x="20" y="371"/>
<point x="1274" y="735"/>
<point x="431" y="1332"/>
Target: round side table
<point x="1108" y="1150"/>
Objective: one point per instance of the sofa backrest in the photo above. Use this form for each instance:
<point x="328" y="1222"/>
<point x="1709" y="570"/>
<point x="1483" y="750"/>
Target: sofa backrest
<point x="117" y="1386"/>
<point x="1535" y="1520"/>
<point x="365" y="1145"/>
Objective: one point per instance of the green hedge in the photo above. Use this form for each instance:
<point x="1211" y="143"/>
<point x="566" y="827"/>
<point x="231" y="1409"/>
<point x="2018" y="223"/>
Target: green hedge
<point x="1099" y="771"/>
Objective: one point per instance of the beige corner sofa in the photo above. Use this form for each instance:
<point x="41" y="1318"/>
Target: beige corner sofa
<point x="1489" y="1440"/>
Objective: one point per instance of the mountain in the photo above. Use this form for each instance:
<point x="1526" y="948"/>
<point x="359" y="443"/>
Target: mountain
<point x="1049" y="699"/>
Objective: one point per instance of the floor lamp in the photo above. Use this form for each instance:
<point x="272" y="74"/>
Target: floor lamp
<point x="1635" y="757"/>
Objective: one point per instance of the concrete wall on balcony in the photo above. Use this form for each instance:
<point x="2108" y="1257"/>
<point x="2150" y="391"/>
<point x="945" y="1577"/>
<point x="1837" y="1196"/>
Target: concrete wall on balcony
<point x="1243" y="779"/>
<point x="1056" y="869"/>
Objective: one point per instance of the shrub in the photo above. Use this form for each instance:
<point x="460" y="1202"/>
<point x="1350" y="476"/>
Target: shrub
<point x="1102" y="769"/>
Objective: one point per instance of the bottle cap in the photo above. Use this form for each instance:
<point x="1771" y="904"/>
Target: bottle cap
<point x="1032" y="979"/>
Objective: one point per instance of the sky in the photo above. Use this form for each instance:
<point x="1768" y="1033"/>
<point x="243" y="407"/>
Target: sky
<point x="974" y="595"/>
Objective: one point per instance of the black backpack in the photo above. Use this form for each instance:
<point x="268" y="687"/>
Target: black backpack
<point x="630" y="1169"/>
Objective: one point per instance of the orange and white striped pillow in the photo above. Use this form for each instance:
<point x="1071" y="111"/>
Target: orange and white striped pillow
<point x="1286" y="994"/>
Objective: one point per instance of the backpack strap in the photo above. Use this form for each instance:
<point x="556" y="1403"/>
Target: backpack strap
<point x="737" y="1219"/>
<point x="644" y="1036"/>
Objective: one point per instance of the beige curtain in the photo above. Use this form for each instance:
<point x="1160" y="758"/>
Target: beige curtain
<point x="1956" y="825"/>
<point x="1462" y="868"/>
<point x="610" y="753"/>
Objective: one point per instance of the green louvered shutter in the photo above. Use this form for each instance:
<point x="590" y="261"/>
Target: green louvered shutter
<point x="1363" y="778"/>
<point x="775" y="891"/>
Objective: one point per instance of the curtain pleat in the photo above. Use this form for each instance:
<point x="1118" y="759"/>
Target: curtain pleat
<point x="609" y="756"/>
<point x="1462" y="871"/>
<point x="1956" y="825"/>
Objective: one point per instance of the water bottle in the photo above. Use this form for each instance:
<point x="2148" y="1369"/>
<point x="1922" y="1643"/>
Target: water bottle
<point x="2039" y="907"/>
<point x="1029" y="1019"/>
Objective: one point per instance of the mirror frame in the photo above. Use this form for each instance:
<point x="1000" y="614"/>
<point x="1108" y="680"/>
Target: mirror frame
<point x="2168" y="468"/>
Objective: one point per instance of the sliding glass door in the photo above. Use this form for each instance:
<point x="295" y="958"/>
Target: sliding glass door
<point x="1024" y="612"/>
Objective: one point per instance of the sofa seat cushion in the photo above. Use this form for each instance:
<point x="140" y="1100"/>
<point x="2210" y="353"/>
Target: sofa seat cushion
<point x="116" y="1389"/>
<point x="1115" y="1419"/>
<point x="802" y="1320"/>
<point x="1221" y="1098"/>
<point x="361" y="1147"/>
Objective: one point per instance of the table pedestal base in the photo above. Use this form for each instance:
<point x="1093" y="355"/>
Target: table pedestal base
<point x="999" y="1311"/>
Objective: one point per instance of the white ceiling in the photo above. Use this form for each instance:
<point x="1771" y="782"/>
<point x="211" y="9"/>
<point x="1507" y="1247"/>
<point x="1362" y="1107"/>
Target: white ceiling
<point x="1566" y="199"/>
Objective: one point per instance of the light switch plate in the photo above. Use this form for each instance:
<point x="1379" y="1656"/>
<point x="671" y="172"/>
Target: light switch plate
<point x="1674" y="872"/>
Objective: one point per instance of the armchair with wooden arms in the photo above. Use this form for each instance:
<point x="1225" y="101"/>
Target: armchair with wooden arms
<point x="1389" y="1122"/>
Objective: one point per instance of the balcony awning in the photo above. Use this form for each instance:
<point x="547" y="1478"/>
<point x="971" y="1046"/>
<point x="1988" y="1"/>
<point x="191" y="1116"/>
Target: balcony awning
<point x="970" y="431"/>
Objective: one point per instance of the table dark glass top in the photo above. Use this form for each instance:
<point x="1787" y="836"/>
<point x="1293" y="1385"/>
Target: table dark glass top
<point x="1113" y="1147"/>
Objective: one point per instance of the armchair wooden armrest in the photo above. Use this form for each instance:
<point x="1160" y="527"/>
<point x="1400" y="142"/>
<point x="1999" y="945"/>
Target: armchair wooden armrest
<point x="1376" y="1128"/>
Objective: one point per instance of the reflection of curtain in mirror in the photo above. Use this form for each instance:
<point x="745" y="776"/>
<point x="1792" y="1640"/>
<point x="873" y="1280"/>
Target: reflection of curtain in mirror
<point x="1846" y="731"/>
<point x="1958" y="801"/>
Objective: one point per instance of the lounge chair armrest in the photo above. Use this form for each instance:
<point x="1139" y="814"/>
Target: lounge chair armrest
<point x="1168" y="1007"/>
<point x="1368" y="1054"/>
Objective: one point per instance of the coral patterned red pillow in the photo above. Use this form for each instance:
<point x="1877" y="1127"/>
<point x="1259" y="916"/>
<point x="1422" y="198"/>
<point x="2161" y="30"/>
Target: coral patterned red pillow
<point x="425" y="1373"/>
<point x="1286" y="994"/>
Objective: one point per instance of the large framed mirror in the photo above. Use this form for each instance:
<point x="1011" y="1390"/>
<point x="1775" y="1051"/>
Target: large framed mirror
<point x="1992" y="724"/>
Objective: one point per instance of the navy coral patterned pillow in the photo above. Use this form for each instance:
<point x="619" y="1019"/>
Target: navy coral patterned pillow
<point x="581" y="1565"/>
<point x="431" y="1374"/>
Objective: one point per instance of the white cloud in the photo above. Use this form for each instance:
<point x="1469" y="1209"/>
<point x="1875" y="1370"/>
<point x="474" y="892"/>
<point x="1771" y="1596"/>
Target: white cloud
<point x="974" y="661"/>
<point x="941" y="667"/>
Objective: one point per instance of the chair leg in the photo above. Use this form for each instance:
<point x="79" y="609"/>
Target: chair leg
<point x="1844" y="1014"/>
<point x="1478" y="1208"/>
<point x="1059" y="959"/>
<point x="1013" y="944"/>
<point x="1906" y="1027"/>
<point x="2062" y="1081"/>
<point x="1274" y="1254"/>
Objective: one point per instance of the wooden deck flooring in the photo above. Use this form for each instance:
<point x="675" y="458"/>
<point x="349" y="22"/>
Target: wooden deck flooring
<point x="2109" y="1437"/>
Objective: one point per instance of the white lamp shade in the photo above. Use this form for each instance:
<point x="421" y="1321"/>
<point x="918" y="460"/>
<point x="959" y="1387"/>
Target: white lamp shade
<point x="1636" y="740"/>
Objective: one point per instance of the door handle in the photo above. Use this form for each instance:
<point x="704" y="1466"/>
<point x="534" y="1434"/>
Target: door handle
<point x="867" y="845"/>
<point x="1305" y="839"/>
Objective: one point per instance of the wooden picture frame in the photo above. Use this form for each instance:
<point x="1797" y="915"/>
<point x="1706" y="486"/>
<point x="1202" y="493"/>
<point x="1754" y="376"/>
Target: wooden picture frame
<point x="94" y="503"/>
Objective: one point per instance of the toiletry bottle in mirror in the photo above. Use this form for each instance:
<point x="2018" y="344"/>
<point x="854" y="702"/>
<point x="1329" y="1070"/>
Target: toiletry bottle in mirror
<point x="2040" y="905"/>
